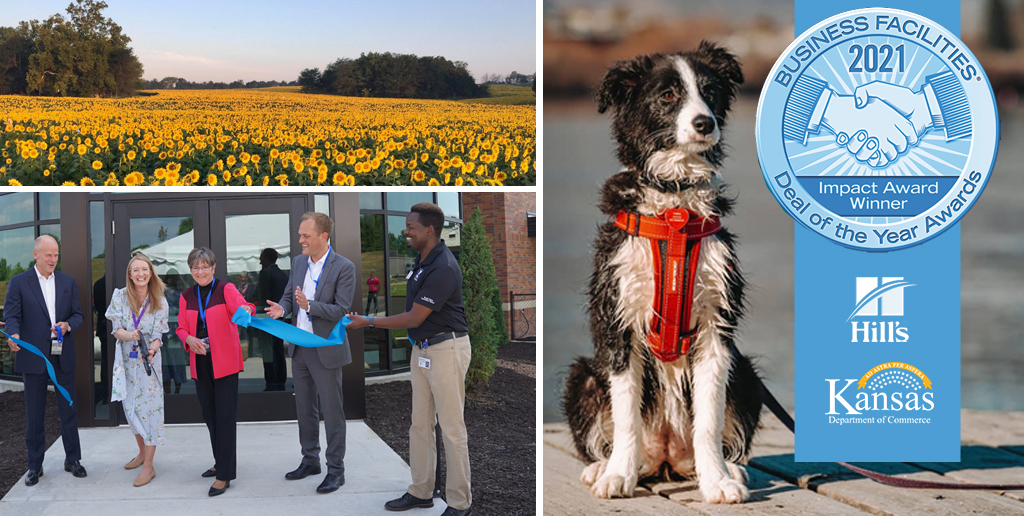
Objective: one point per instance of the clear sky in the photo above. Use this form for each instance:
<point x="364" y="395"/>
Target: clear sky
<point x="220" y="40"/>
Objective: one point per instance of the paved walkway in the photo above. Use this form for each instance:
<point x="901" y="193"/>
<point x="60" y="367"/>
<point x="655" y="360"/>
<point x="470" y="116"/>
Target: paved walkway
<point x="266" y="451"/>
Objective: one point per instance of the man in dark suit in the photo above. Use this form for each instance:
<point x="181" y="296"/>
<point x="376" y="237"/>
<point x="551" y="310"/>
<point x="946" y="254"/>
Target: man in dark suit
<point x="38" y="302"/>
<point x="270" y="285"/>
<point x="319" y="293"/>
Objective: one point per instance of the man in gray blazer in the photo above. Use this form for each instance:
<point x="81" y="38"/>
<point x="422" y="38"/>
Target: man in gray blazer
<point x="319" y="293"/>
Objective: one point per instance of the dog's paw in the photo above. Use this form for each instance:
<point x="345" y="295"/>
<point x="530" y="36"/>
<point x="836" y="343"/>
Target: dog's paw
<point x="614" y="485"/>
<point x="592" y="472"/>
<point x="738" y="473"/>
<point x="725" y="490"/>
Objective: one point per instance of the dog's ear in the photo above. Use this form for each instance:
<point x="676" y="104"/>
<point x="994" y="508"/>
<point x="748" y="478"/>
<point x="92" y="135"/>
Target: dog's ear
<point x="621" y="80"/>
<point x="723" y="62"/>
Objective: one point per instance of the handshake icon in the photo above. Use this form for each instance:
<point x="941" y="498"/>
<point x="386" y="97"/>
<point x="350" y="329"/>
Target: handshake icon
<point x="880" y="121"/>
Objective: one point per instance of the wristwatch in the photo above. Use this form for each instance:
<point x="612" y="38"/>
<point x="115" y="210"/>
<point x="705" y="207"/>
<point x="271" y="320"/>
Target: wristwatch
<point x="371" y="322"/>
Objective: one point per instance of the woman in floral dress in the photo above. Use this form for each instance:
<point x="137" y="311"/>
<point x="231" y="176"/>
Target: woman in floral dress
<point x="138" y="314"/>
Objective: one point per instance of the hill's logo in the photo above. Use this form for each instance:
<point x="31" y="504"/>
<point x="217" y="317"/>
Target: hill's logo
<point x="879" y="299"/>
<point x="895" y="386"/>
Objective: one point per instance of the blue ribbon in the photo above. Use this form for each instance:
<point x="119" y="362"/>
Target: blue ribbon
<point x="290" y="333"/>
<point x="49" y="367"/>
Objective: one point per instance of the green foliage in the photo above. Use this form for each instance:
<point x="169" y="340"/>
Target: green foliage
<point x="506" y="95"/>
<point x="392" y="76"/>
<point x="479" y="290"/>
<point x="185" y="225"/>
<point x="81" y="55"/>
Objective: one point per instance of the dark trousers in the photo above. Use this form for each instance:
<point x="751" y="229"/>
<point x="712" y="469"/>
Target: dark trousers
<point x="35" y="411"/>
<point x="372" y="296"/>
<point x="313" y="381"/>
<point x="219" y="400"/>
<point x="275" y="371"/>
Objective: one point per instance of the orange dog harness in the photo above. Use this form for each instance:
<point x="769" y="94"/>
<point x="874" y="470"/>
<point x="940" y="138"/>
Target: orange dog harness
<point x="675" y="236"/>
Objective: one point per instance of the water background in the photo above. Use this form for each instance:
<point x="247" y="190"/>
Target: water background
<point x="579" y="155"/>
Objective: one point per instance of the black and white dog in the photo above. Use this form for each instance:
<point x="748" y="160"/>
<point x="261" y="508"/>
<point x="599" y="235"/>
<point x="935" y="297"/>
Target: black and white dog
<point x="631" y="414"/>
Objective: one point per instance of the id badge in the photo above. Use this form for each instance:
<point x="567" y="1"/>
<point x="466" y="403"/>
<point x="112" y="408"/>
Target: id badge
<point x="133" y="354"/>
<point x="56" y="347"/>
<point x="425" y="362"/>
<point x="407" y="276"/>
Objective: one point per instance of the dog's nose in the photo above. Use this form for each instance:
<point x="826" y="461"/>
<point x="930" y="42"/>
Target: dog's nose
<point x="704" y="124"/>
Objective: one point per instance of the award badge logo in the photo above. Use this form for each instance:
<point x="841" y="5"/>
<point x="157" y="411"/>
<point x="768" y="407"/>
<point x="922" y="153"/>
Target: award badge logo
<point x="877" y="129"/>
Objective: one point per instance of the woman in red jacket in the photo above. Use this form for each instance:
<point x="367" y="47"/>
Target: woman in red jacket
<point x="204" y="325"/>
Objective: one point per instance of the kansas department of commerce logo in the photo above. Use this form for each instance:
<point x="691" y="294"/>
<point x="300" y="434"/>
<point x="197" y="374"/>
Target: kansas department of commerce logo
<point x="877" y="128"/>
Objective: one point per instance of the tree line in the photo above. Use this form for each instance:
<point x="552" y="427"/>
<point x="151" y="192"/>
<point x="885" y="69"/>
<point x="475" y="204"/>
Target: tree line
<point x="82" y="54"/>
<point x="512" y="78"/>
<point x="177" y="83"/>
<point x="395" y="76"/>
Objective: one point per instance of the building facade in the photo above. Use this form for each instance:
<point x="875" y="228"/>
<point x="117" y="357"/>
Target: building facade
<point x="99" y="232"/>
<point x="510" y="221"/>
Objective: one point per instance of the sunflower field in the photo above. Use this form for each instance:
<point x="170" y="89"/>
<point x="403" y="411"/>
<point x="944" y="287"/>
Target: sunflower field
<point x="263" y="137"/>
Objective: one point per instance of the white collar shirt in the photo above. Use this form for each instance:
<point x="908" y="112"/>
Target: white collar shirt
<point x="49" y="288"/>
<point x="309" y="285"/>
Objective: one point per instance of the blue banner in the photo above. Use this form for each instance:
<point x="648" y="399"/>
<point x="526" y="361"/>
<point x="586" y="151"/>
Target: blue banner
<point x="291" y="333"/>
<point x="877" y="334"/>
<point x="49" y="367"/>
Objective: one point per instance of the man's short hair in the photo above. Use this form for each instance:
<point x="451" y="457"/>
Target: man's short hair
<point x="321" y="222"/>
<point x="430" y="215"/>
<point x="269" y="255"/>
<point x="199" y="255"/>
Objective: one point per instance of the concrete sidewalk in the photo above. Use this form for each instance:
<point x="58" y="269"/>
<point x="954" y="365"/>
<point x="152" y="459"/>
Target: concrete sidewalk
<point x="374" y="474"/>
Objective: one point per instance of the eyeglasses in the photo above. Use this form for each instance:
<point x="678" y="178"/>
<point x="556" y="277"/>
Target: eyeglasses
<point x="202" y="269"/>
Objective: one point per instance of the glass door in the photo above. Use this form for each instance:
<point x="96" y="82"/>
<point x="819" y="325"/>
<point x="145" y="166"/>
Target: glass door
<point x="256" y="240"/>
<point x="165" y="232"/>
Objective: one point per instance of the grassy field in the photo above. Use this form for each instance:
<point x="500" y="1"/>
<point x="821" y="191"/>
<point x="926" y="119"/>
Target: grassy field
<point x="506" y="95"/>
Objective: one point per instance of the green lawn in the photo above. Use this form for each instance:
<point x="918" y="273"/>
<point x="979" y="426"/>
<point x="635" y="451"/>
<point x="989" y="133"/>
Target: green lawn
<point x="506" y="94"/>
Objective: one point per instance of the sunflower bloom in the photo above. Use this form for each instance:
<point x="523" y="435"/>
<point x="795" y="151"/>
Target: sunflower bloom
<point x="211" y="179"/>
<point x="96" y="165"/>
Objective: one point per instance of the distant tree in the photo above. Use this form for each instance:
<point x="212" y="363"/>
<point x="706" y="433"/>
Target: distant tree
<point x="16" y="46"/>
<point x="185" y="225"/>
<point x="999" y="35"/>
<point x="161" y="235"/>
<point x="393" y="75"/>
<point x="83" y="54"/>
<point x="309" y="79"/>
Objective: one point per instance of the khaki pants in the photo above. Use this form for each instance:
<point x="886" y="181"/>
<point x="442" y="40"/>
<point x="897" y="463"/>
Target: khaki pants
<point x="441" y="390"/>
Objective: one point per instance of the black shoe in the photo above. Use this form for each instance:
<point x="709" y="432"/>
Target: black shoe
<point x="75" y="468"/>
<point x="33" y="477"/>
<point x="331" y="483"/>
<point x="451" y="511"/>
<point x="303" y="471"/>
<point x="214" y="491"/>
<point x="209" y="473"/>
<point x="408" y="501"/>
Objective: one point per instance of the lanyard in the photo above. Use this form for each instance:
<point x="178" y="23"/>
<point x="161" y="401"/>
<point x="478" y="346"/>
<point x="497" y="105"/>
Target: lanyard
<point x="316" y="280"/>
<point x="202" y="309"/>
<point x="142" y="312"/>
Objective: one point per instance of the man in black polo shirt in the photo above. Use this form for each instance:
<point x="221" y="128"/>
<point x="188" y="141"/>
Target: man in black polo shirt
<point x="440" y="359"/>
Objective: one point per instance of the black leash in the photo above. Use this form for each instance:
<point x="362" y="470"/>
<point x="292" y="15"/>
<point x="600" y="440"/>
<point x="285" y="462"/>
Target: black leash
<point x="889" y="480"/>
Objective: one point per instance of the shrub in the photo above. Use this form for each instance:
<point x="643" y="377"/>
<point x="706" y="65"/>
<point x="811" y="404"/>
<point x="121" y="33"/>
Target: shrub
<point x="479" y="290"/>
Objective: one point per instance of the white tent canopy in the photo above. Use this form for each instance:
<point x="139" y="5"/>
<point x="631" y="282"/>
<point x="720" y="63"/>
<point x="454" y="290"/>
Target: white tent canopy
<point x="247" y="237"/>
